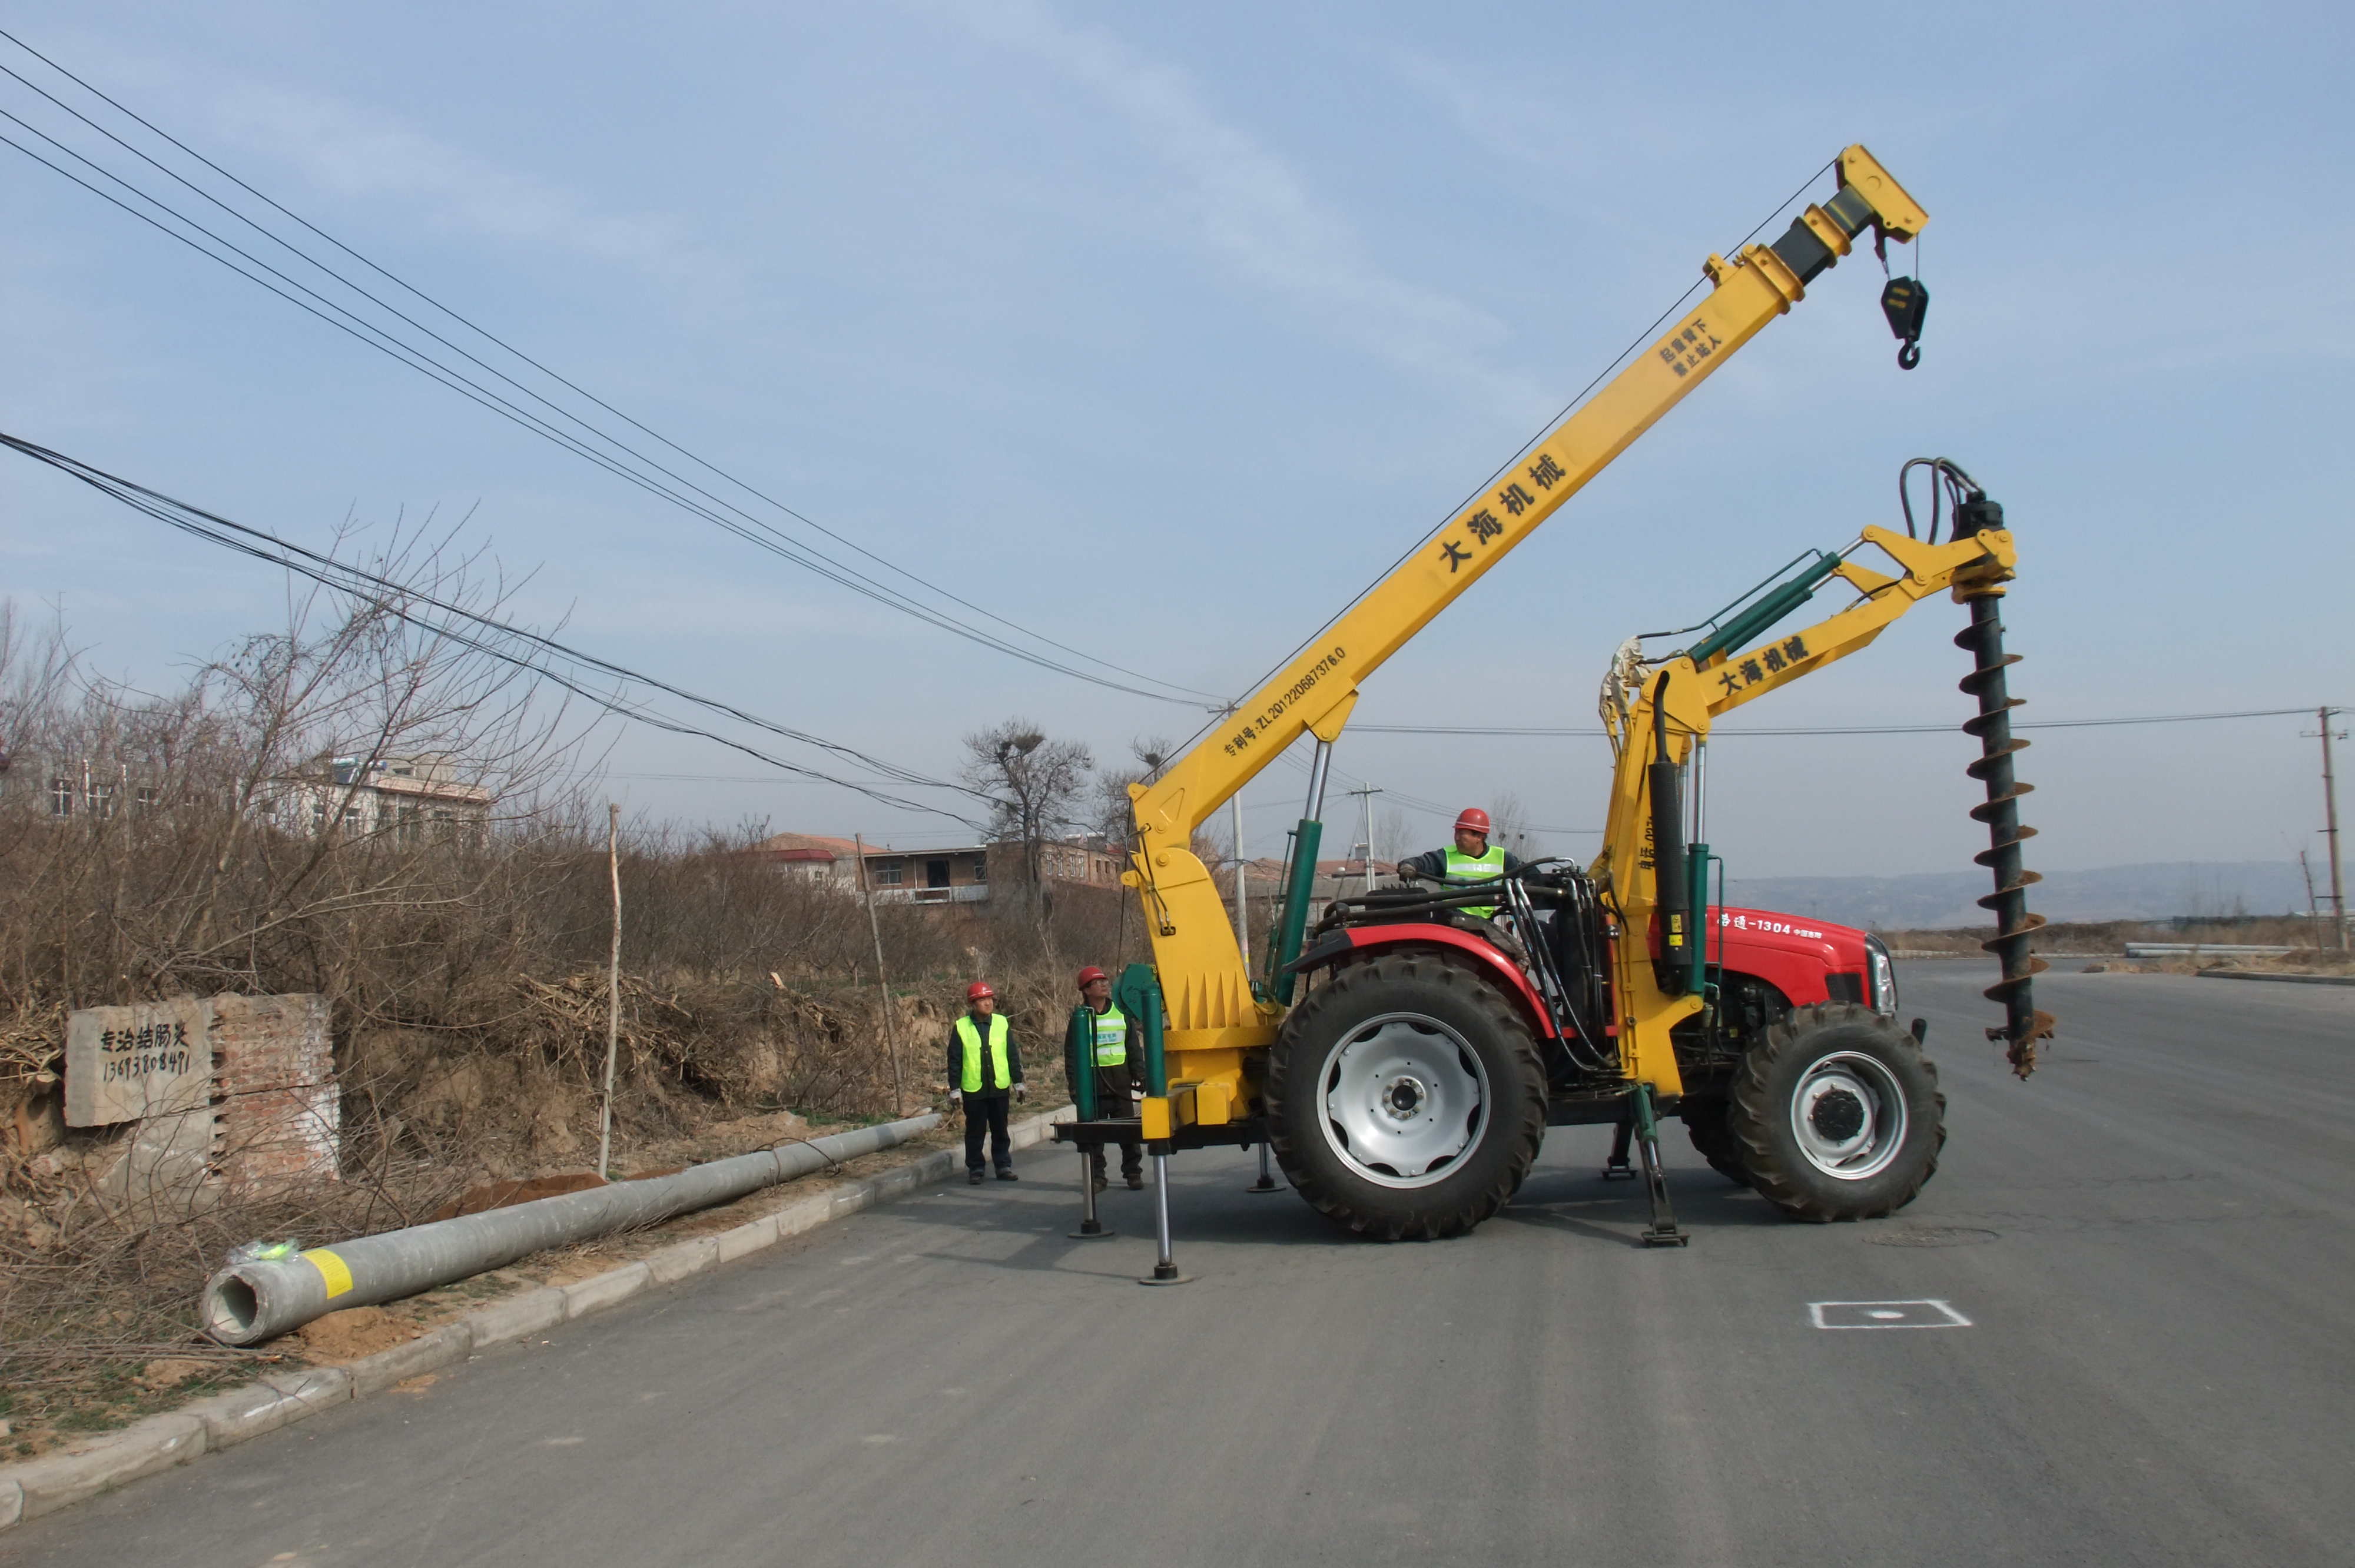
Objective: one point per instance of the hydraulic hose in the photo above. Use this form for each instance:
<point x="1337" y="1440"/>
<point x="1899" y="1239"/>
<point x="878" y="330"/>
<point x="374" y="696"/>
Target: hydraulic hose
<point x="1672" y="893"/>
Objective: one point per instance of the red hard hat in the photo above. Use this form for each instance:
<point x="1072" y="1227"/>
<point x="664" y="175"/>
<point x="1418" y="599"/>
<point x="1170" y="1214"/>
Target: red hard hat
<point x="1475" y="819"/>
<point x="978" y="990"/>
<point x="1090" y="975"/>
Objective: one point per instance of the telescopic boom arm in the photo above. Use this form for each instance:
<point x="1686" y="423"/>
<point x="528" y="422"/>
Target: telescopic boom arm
<point x="1314" y="692"/>
<point x="1212" y="1014"/>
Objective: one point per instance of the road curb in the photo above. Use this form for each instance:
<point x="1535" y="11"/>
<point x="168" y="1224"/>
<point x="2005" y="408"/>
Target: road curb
<point x="2286" y="980"/>
<point x="43" y="1486"/>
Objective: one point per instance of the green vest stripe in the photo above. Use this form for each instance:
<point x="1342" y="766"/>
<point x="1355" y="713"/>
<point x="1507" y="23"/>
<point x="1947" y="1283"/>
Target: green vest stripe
<point x="1000" y="1075"/>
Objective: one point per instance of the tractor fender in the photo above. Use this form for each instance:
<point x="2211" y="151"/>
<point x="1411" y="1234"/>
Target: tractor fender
<point x="1370" y="939"/>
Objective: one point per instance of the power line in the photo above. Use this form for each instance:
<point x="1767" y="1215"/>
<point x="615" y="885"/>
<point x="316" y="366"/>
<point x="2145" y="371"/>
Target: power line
<point x="1417" y="803"/>
<point x="1544" y="732"/>
<point x="750" y="528"/>
<point x="1578" y="397"/>
<point x="345" y="578"/>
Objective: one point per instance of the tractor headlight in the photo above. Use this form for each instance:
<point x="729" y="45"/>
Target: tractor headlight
<point x="1883" y="976"/>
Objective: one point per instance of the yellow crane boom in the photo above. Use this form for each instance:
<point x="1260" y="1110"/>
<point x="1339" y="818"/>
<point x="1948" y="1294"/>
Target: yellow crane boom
<point x="1214" y="1020"/>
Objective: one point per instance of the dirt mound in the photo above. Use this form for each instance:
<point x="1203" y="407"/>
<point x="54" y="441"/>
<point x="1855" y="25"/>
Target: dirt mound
<point x="507" y="1194"/>
<point x="348" y="1335"/>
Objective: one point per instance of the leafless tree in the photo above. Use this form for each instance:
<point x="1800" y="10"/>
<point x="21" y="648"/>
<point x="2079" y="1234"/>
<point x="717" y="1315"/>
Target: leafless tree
<point x="1033" y="785"/>
<point x="1509" y="827"/>
<point x="1115" y="816"/>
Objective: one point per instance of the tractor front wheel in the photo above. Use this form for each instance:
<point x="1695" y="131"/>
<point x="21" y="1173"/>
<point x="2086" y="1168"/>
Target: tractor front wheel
<point x="1405" y="1099"/>
<point x="1837" y="1114"/>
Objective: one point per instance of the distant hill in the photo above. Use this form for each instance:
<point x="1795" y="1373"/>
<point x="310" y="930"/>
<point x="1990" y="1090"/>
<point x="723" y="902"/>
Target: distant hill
<point x="1934" y="900"/>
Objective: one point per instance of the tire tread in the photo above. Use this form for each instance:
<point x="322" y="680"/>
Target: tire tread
<point x="1754" y="1111"/>
<point x="1524" y="1125"/>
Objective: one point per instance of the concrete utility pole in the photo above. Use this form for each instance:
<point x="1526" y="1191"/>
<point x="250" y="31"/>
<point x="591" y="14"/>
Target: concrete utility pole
<point x="875" y="926"/>
<point x="2330" y="825"/>
<point x="1369" y="793"/>
<point x="612" y="987"/>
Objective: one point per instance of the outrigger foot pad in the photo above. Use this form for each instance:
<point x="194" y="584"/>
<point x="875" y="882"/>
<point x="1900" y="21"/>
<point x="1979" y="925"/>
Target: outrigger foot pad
<point x="1616" y="1168"/>
<point x="1663" y="1231"/>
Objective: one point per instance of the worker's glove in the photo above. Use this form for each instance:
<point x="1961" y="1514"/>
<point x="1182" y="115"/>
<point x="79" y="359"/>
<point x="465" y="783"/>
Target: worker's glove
<point x="957" y="1098"/>
<point x="1022" y="1091"/>
<point x="1408" y="873"/>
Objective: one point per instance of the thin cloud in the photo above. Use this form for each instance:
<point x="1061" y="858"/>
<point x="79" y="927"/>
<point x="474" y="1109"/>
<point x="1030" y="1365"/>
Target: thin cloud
<point x="303" y="146"/>
<point x="1258" y="216"/>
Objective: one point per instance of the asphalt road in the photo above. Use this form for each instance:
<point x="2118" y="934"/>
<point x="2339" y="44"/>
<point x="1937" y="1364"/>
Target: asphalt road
<point x="2150" y="1242"/>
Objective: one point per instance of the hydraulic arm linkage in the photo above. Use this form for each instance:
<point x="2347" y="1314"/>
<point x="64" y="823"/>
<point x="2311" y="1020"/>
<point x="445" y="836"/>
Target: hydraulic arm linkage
<point x="1659" y="711"/>
<point x="1218" y="1022"/>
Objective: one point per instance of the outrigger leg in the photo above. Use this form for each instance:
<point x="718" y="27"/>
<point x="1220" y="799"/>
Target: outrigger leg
<point x="1164" y="1268"/>
<point x="1616" y="1168"/>
<point x="1090" y="1228"/>
<point x="1266" y="1182"/>
<point x="1663" y="1231"/>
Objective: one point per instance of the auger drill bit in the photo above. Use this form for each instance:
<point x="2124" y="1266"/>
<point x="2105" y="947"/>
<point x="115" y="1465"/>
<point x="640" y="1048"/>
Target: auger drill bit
<point x="1983" y="590"/>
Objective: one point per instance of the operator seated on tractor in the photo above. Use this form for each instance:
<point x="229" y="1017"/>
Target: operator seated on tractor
<point x="1467" y="861"/>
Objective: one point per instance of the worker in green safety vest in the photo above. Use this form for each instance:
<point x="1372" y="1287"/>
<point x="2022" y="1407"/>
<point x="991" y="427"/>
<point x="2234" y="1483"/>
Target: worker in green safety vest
<point x="1467" y="860"/>
<point x="984" y="1067"/>
<point x="1107" y="1045"/>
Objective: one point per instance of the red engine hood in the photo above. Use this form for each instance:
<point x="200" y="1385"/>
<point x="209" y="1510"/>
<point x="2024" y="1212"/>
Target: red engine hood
<point x="1792" y="954"/>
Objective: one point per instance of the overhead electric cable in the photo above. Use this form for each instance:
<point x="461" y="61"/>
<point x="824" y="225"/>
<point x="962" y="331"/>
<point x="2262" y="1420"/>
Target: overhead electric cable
<point x="345" y="578"/>
<point x="952" y="620"/>
<point x="1415" y="802"/>
<point x="456" y="381"/>
<point x="1580" y="396"/>
<point x="1545" y="732"/>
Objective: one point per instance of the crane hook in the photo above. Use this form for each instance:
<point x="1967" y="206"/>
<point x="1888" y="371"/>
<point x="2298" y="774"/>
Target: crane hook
<point x="1905" y="301"/>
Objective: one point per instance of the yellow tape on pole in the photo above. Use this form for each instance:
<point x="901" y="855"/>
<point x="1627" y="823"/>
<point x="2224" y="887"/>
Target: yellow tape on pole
<point x="333" y="1269"/>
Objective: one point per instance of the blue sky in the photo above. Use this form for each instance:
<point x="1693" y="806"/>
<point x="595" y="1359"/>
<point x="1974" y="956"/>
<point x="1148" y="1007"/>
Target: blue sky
<point x="1165" y="329"/>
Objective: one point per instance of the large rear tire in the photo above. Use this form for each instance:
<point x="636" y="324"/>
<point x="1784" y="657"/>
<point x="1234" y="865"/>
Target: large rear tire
<point x="1708" y="1123"/>
<point x="1404" y="1098"/>
<point x="1837" y="1115"/>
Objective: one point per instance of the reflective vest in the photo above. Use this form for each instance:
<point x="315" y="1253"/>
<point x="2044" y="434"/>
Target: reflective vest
<point x="1000" y="1076"/>
<point x="1462" y="867"/>
<point x="1110" y="1030"/>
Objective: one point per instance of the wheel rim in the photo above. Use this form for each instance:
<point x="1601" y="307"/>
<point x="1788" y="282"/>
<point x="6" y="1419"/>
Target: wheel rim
<point x="1849" y="1115"/>
<point x="1405" y="1099"/>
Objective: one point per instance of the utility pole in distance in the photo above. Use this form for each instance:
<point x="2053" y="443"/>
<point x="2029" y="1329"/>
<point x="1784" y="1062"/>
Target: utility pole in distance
<point x="882" y="980"/>
<point x="2330" y="824"/>
<point x="1369" y="793"/>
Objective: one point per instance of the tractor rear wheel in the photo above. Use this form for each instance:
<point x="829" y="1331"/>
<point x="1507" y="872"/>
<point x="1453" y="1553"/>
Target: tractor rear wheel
<point x="1405" y="1099"/>
<point x="1708" y="1123"/>
<point x="1837" y="1114"/>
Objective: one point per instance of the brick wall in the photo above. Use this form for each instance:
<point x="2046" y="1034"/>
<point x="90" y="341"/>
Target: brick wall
<point x="274" y="1090"/>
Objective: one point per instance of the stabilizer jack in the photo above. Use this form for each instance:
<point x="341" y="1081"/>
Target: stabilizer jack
<point x="1663" y="1231"/>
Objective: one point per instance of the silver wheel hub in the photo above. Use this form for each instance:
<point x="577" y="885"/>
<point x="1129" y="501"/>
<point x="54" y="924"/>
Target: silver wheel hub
<point x="1405" y="1098"/>
<point x="1849" y="1115"/>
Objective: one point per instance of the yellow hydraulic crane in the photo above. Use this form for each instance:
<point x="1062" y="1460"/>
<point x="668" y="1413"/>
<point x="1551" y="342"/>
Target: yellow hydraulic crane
<point x="1216" y="1025"/>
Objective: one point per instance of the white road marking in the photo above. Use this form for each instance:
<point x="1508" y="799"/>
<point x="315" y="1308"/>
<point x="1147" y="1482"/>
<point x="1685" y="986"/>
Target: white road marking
<point x="1925" y="1313"/>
